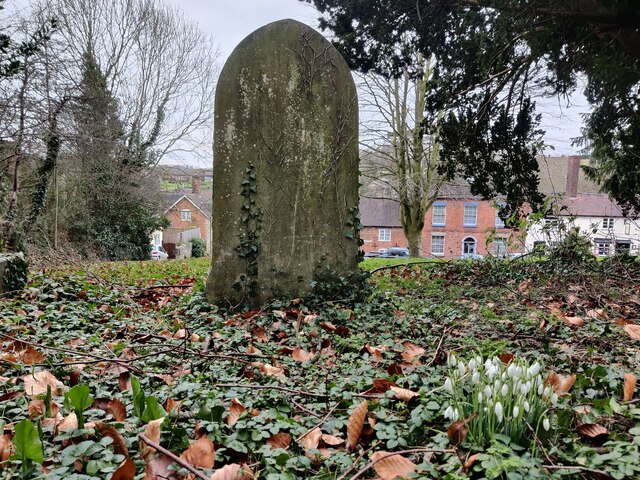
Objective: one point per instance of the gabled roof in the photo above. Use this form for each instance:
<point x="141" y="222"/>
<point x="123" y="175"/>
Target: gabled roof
<point x="590" y="205"/>
<point x="376" y="212"/>
<point x="208" y="215"/>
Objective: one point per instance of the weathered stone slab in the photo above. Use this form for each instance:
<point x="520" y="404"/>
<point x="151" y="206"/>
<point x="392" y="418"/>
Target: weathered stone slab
<point x="285" y="186"/>
<point x="13" y="272"/>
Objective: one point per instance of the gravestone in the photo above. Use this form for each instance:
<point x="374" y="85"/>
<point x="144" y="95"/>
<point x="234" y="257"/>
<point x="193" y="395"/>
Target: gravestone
<point x="285" y="174"/>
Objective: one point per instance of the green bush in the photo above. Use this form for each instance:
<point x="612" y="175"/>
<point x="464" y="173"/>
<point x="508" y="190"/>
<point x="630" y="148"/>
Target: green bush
<point x="198" y="248"/>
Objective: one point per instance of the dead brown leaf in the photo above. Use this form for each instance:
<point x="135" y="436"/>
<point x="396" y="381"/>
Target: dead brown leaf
<point x="459" y="429"/>
<point x="592" y="430"/>
<point x="279" y="440"/>
<point x="232" y="472"/>
<point x="126" y="470"/>
<point x="173" y="405"/>
<point x="158" y="469"/>
<point x="270" y="370"/>
<point x="152" y="432"/>
<point x="235" y="410"/>
<point x="390" y="467"/>
<point x="574" y="321"/>
<point x="561" y="385"/>
<point x="301" y="355"/>
<point x="6" y="448"/>
<point x="31" y="356"/>
<point x="630" y="381"/>
<point x="311" y="440"/>
<point x="200" y="453"/>
<point x="70" y="422"/>
<point x="355" y="424"/>
<point x="118" y="410"/>
<point x="119" y="444"/>
<point x="37" y="409"/>
<point x="36" y="384"/>
<point x="633" y="331"/>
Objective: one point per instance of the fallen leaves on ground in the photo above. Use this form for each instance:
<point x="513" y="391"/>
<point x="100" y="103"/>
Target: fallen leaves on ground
<point x="389" y="466"/>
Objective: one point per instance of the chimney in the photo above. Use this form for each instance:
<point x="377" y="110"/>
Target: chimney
<point x="573" y="173"/>
<point x="196" y="183"/>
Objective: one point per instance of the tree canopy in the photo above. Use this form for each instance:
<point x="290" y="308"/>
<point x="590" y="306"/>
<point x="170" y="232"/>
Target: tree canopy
<point x="493" y="58"/>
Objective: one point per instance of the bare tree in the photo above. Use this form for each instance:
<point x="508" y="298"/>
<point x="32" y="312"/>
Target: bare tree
<point x="400" y="156"/>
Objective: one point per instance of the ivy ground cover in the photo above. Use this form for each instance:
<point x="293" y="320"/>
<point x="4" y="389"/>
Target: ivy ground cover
<point x="455" y="370"/>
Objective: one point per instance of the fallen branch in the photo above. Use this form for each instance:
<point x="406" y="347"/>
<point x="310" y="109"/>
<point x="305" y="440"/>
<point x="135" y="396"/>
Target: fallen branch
<point x="173" y="457"/>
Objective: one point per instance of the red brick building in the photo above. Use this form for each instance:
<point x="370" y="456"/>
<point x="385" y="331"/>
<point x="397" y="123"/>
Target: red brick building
<point x="458" y="224"/>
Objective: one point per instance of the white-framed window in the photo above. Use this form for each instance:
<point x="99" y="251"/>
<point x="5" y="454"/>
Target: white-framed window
<point x="469" y="247"/>
<point x="550" y="220"/>
<point x="470" y="215"/>
<point x="500" y="247"/>
<point x="608" y="223"/>
<point x="437" y="244"/>
<point x="499" y="221"/>
<point x="603" y="247"/>
<point x="384" y="235"/>
<point x="185" y="215"/>
<point x="439" y="214"/>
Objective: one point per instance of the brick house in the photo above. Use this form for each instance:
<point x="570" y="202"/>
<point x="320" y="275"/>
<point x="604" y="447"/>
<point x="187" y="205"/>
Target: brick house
<point x="187" y="210"/>
<point x="458" y="224"/>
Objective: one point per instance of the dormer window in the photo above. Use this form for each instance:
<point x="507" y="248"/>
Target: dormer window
<point x="185" y="215"/>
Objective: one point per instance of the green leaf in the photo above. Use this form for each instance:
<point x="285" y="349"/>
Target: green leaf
<point x="211" y="413"/>
<point x="138" y="397"/>
<point x="27" y="442"/>
<point x="153" y="410"/>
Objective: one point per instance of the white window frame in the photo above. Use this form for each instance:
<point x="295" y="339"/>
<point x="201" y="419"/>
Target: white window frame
<point x="475" y="246"/>
<point x="435" y="218"/>
<point x="384" y="235"/>
<point x="608" y="223"/>
<point x="185" y="215"/>
<point x="466" y="223"/>
<point x="499" y="221"/>
<point x="603" y="249"/>
<point x="440" y="250"/>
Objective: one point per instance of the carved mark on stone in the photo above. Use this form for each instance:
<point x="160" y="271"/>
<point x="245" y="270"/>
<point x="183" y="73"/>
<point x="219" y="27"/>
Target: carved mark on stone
<point x="311" y="62"/>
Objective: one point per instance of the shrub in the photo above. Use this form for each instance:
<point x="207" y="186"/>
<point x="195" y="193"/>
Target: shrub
<point x="198" y="248"/>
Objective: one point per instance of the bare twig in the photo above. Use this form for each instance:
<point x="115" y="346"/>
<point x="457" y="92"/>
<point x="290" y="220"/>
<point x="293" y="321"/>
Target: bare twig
<point x="173" y="457"/>
<point x="324" y="419"/>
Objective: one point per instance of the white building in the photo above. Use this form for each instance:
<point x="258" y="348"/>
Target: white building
<point x="578" y="205"/>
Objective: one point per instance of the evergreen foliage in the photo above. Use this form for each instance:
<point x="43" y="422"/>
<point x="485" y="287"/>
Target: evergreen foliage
<point x="493" y="58"/>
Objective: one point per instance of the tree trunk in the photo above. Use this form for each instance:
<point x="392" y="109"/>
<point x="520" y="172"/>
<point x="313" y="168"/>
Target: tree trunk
<point x="414" y="237"/>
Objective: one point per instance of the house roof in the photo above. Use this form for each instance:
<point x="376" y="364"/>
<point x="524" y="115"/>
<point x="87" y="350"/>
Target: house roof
<point x="590" y="205"/>
<point x="202" y="200"/>
<point x="376" y="212"/>
<point x="553" y="176"/>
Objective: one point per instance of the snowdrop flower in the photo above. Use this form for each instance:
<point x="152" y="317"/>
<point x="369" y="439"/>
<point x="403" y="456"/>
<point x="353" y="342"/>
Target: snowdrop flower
<point x="487" y="392"/>
<point x="452" y="360"/>
<point x="487" y="365"/>
<point x="505" y="390"/>
<point x="516" y="411"/>
<point x="512" y="370"/>
<point x="479" y="397"/>
<point x="455" y="415"/>
<point x="476" y="377"/>
<point x="547" y="391"/>
<point x="493" y="371"/>
<point x="534" y="369"/>
<point x="497" y="385"/>
<point x="546" y="424"/>
<point x="504" y="376"/>
<point x="448" y="413"/>
<point x="498" y="411"/>
<point x="526" y="406"/>
<point x="519" y="372"/>
<point x="540" y="389"/>
<point x="554" y="399"/>
<point x="472" y="364"/>
<point x="461" y="368"/>
<point x="448" y="385"/>
<point x="524" y="389"/>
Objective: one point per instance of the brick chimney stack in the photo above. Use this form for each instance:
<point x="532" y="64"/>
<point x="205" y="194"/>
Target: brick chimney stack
<point x="196" y="183"/>
<point x="573" y="174"/>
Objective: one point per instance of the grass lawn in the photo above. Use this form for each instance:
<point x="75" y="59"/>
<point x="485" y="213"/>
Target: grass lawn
<point x="484" y="369"/>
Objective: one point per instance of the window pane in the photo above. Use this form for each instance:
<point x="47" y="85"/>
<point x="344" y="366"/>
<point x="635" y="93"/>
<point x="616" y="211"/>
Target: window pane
<point x="439" y="215"/>
<point x="384" y="235"/>
<point x="470" y="215"/>
<point x="437" y="244"/>
<point x="500" y="247"/>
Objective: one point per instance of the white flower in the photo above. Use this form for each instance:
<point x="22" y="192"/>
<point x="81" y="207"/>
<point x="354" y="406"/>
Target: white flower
<point x="497" y="385"/>
<point x="516" y="411"/>
<point x="554" y="399"/>
<point x="479" y="397"/>
<point x="519" y="372"/>
<point x="472" y="364"/>
<point x="512" y="371"/>
<point x="476" y="377"/>
<point x="526" y="406"/>
<point x="452" y="360"/>
<point x="448" y="413"/>
<point x="493" y="371"/>
<point x="523" y="389"/>
<point x="461" y="368"/>
<point x="487" y="392"/>
<point x="505" y="390"/>
<point x="534" y="369"/>
<point x="540" y="389"/>
<point x="455" y="415"/>
<point x="504" y="376"/>
<point x="448" y="385"/>
<point x="546" y="424"/>
<point x="498" y="411"/>
<point x="487" y="365"/>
